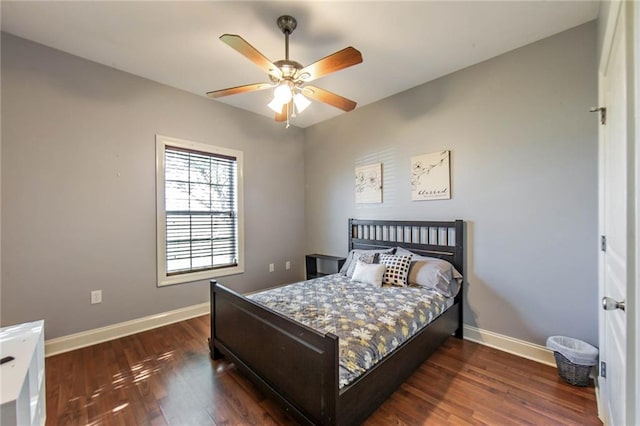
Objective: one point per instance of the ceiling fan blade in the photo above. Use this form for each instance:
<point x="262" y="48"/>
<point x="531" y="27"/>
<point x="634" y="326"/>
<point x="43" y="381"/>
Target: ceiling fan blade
<point x="282" y="115"/>
<point x="335" y="62"/>
<point x="329" y="98"/>
<point x="238" y="89"/>
<point x="251" y="53"/>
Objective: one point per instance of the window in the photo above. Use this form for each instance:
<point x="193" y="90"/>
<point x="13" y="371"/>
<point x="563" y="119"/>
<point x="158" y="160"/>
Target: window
<point x="199" y="211"/>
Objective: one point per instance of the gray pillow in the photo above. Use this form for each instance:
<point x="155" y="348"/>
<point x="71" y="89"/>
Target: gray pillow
<point x="434" y="273"/>
<point x="350" y="264"/>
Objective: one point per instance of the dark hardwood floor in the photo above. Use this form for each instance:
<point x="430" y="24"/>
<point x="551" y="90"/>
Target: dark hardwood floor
<point x="165" y="377"/>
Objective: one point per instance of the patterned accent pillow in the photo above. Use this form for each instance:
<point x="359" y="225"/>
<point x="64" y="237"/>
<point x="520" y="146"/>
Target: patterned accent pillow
<point x="397" y="269"/>
<point x="367" y="257"/>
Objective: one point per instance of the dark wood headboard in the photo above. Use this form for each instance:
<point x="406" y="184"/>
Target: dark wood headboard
<point x="444" y="240"/>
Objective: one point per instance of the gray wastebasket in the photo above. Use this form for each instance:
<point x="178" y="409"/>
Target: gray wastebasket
<point x="574" y="359"/>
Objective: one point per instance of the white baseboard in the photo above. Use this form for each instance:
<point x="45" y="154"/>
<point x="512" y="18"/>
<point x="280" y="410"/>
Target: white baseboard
<point x="91" y="337"/>
<point x="596" y="382"/>
<point x="508" y="344"/>
<point x="110" y="332"/>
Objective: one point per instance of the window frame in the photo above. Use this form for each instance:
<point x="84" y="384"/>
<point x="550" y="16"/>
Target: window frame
<point x="164" y="279"/>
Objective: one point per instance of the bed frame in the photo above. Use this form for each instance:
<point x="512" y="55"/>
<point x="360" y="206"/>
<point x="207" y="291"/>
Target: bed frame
<point x="298" y="366"/>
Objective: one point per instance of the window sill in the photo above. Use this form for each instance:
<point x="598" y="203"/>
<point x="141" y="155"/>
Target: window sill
<point x="198" y="276"/>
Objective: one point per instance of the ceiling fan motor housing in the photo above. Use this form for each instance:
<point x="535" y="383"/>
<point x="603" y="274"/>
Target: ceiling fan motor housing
<point x="287" y="24"/>
<point x="288" y="68"/>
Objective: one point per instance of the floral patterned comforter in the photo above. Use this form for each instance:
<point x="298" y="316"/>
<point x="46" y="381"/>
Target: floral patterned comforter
<point x="369" y="321"/>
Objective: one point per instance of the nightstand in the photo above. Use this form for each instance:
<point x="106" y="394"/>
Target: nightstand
<point x="312" y="264"/>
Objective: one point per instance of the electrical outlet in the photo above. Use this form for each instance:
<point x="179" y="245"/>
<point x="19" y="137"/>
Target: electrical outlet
<point x="272" y="267"/>
<point x="96" y="297"/>
<point x="287" y="265"/>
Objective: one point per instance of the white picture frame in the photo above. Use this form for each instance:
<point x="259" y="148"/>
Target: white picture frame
<point x="430" y="176"/>
<point x="368" y="184"/>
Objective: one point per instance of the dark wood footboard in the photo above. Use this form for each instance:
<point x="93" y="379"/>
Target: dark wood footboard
<point x="293" y="363"/>
<point x="360" y="399"/>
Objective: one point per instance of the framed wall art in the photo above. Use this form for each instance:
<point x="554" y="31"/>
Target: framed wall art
<point x="369" y="184"/>
<point x="430" y="176"/>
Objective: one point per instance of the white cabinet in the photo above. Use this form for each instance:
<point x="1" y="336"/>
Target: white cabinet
<point x="22" y="392"/>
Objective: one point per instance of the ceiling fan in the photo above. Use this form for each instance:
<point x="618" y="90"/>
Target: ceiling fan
<point x="289" y="77"/>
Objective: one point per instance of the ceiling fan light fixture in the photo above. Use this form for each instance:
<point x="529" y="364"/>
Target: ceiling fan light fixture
<point x="283" y="93"/>
<point x="301" y="102"/>
<point x="275" y="105"/>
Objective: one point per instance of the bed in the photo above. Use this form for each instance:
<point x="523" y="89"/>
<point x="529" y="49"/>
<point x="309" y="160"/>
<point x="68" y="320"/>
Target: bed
<point x="299" y="366"/>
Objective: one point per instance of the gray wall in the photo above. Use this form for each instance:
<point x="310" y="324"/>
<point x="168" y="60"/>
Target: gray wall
<point x="523" y="173"/>
<point x="78" y="190"/>
<point x="524" y="162"/>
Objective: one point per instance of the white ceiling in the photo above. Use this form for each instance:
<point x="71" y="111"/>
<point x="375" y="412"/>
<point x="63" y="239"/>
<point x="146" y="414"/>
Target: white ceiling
<point x="404" y="44"/>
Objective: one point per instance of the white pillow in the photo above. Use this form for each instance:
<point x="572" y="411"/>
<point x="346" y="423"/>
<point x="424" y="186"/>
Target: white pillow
<point x="364" y="257"/>
<point x="350" y="262"/>
<point x="369" y="273"/>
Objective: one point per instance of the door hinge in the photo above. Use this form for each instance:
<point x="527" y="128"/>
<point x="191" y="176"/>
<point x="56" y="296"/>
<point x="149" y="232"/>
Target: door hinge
<point x="603" y="369"/>
<point x="603" y="113"/>
<point x="603" y="243"/>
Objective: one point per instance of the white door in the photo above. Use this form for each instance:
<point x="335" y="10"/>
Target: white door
<point x="615" y="210"/>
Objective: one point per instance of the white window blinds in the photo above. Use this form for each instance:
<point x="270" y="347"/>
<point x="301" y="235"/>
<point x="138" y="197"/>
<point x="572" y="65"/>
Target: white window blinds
<point x="200" y="210"/>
